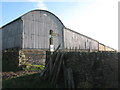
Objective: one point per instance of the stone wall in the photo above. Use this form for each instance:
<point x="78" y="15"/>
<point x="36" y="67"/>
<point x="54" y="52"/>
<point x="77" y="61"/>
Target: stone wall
<point x="10" y="60"/>
<point x="13" y="59"/>
<point x="94" y="69"/>
<point x="32" y="56"/>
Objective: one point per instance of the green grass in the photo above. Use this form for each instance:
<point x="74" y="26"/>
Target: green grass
<point x="30" y="67"/>
<point x="26" y="81"/>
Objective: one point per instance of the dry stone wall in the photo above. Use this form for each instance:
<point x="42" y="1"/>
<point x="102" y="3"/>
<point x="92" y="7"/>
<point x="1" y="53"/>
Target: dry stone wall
<point x="93" y="70"/>
<point x="10" y="60"/>
<point x="13" y="60"/>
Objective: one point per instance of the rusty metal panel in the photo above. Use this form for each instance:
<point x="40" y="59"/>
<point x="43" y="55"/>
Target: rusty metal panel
<point x="36" y="26"/>
<point x="12" y="35"/>
<point x="74" y="40"/>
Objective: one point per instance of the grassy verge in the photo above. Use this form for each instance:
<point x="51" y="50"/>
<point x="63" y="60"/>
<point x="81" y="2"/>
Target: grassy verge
<point x="26" y="81"/>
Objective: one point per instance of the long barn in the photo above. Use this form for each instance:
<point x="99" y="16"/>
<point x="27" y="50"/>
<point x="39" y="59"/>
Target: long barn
<point x="38" y="30"/>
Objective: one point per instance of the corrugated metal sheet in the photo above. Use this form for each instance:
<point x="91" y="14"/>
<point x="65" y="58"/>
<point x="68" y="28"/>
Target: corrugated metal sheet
<point x="37" y="25"/>
<point x="101" y="47"/>
<point x="73" y="40"/>
<point x="11" y="35"/>
<point x="109" y="49"/>
<point x="31" y="31"/>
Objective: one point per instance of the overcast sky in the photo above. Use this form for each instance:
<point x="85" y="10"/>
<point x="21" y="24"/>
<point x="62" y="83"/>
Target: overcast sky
<point x="97" y="19"/>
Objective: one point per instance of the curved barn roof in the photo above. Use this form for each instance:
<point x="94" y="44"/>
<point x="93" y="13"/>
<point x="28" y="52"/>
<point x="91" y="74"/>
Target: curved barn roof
<point x="33" y="11"/>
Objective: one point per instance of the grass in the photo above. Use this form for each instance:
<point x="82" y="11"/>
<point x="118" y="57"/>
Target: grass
<point x="30" y="67"/>
<point x="26" y="81"/>
<point x="33" y="80"/>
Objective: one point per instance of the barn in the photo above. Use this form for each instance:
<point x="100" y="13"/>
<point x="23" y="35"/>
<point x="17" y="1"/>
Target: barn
<point x="29" y="37"/>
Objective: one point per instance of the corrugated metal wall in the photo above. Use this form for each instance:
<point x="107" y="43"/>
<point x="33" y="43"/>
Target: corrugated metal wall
<point x="101" y="47"/>
<point x="37" y="25"/>
<point x="32" y="30"/>
<point x="12" y="35"/>
<point x="109" y="49"/>
<point x="73" y="40"/>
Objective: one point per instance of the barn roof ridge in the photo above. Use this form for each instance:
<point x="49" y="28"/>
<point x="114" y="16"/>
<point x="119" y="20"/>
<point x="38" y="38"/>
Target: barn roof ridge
<point x="32" y="11"/>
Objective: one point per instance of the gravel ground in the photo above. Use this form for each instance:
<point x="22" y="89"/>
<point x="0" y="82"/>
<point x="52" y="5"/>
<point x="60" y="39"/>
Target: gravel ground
<point x="8" y="75"/>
